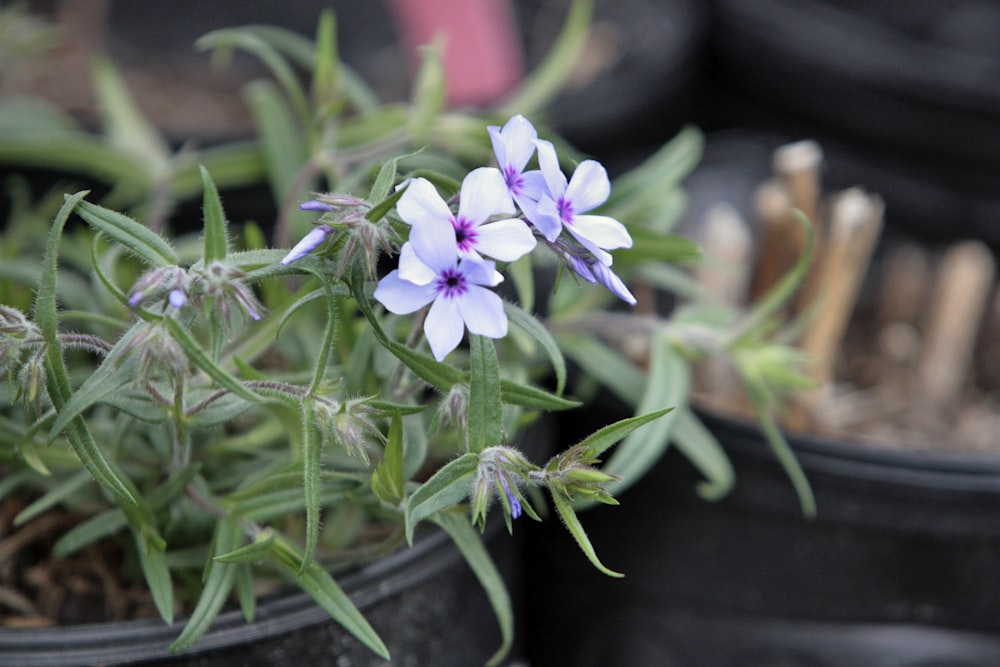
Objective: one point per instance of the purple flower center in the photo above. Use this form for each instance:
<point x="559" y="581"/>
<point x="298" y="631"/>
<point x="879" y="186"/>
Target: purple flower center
<point x="465" y="234"/>
<point x="512" y="177"/>
<point x="451" y="283"/>
<point x="565" y="208"/>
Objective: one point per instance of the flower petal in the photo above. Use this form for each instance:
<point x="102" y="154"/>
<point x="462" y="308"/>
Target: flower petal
<point x="519" y="138"/>
<point x="532" y="185"/>
<point x="605" y="232"/>
<point x="480" y="272"/>
<point x="421" y="200"/>
<point x="309" y="242"/>
<point x="444" y="327"/>
<point x="610" y="279"/>
<point x="555" y="180"/>
<point x="412" y="269"/>
<point x="506" y="240"/>
<point x="545" y="216"/>
<point x="484" y="194"/>
<point x="434" y="243"/>
<point x="401" y="296"/>
<point x="482" y="312"/>
<point x="589" y="187"/>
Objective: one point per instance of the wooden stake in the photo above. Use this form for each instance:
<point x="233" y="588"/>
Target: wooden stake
<point x="772" y="206"/>
<point x="855" y="224"/>
<point x="727" y="246"/>
<point x="961" y="294"/>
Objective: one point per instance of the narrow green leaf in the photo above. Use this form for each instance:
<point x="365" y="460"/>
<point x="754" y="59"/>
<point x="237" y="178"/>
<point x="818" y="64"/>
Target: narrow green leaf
<point x="448" y="486"/>
<point x="537" y="330"/>
<point x="324" y="589"/>
<point x="141" y="240"/>
<point x="125" y="126"/>
<point x="668" y="384"/>
<point x="260" y="548"/>
<point x="575" y="528"/>
<point x="485" y="413"/>
<point x="601" y="440"/>
<point x="387" y="479"/>
<point x="533" y="397"/>
<point x="470" y="543"/>
<point x="703" y="449"/>
<point x="219" y="577"/>
<point x="245" y="591"/>
<point x="53" y="496"/>
<point x="200" y="359"/>
<point x="216" y="240"/>
<point x="606" y="365"/>
<point x="429" y="90"/>
<point x="46" y="309"/>
<point x="326" y="71"/>
<point x="157" y="574"/>
<point x="549" y="77"/>
<point x="783" y="451"/>
<point x="312" y="448"/>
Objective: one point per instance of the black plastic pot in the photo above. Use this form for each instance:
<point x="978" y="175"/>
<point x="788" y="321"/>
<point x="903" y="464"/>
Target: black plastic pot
<point x="425" y="602"/>
<point x="898" y="569"/>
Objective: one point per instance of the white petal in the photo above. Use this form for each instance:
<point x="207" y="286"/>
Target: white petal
<point x="412" y="269"/>
<point x="589" y="187"/>
<point x="480" y="272"/>
<point x="482" y="311"/>
<point x="444" y="327"/>
<point x="434" y="243"/>
<point x="555" y="180"/>
<point x="606" y="232"/>
<point x="484" y="194"/>
<point x="499" y="145"/>
<point x="401" y="296"/>
<point x="532" y="185"/>
<point x="506" y="240"/>
<point x="421" y="200"/>
<point x="519" y="136"/>
<point x="545" y="216"/>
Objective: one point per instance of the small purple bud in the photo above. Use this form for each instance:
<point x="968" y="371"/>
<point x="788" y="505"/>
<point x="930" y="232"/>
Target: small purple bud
<point x="316" y="205"/>
<point x="177" y="298"/>
<point x="610" y="279"/>
<point x="135" y="299"/>
<point x="580" y="267"/>
<point x="309" y="242"/>
<point x="515" y="504"/>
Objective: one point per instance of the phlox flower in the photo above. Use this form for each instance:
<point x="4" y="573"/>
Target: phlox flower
<point x="431" y="270"/>
<point x="513" y="145"/>
<point x="483" y="195"/>
<point x="564" y="204"/>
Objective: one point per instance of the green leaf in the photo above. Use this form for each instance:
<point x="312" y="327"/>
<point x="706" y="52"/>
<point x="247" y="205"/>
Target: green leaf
<point x="218" y="581"/>
<point x="703" y="449"/>
<point x="650" y="245"/>
<point x="382" y="187"/>
<point x="572" y="523"/>
<point x="485" y="412"/>
<point x="387" y="478"/>
<point x="157" y="574"/>
<point x="533" y="397"/>
<point x="53" y="497"/>
<point x="139" y="239"/>
<point x="783" y="451"/>
<point x="448" y="486"/>
<point x="216" y="240"/>
<point x="324" y="590"/>
<point x="259" y="549"/>
<point x="312" y="448"/>
<point x="326" y="72"/>
<point x="668" y="384"/>
<point x="606" y="365"/>
<point x="470" y="543"/>
<point x="551" y="75"/>
<point x="200" y="359"/>
<point x="537" y="330"/>
<point x="601" y="440"/>
<point x="429" y="91"/>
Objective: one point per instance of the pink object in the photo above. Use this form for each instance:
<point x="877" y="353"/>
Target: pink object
<point x="482" y="54"/>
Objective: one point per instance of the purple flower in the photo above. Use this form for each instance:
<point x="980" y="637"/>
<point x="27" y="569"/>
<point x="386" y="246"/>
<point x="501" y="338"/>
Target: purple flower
<point x="317" y="205"/>
<point x="483" y="196"/>
<point x="309" y="242"/>
<point x="513" y="146"/>
<point x="515" y="504"/>
<point x="431" y="270"/>
<point x="564" y="204"/>
<point x="177" y="298"/>
<point x="604" y="275"/>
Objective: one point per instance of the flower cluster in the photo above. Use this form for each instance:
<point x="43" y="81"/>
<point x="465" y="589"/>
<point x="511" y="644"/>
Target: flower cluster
<point x="450" y="259"/>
